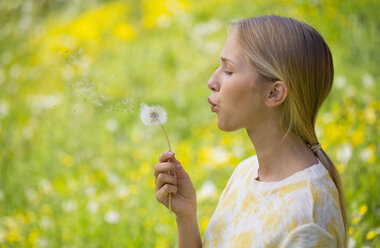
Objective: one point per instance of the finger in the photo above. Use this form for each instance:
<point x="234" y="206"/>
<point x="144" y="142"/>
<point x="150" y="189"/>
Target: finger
<point x="163" y="178"/>
<point x="163" y="194"/>
<point x="165" y="156"/>
<point x="165" y="167"/>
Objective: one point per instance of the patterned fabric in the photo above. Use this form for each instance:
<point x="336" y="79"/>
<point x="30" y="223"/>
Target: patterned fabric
<point x="300" y="211"/>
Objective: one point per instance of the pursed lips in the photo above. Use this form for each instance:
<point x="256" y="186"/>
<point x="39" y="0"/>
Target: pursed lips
<point x="212" y="105"/>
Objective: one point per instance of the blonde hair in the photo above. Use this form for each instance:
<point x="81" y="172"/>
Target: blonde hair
<point x="285" y="49"/>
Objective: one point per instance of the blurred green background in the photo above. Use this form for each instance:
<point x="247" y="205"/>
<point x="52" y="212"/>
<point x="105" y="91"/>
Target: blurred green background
<point x="76" y="163"/>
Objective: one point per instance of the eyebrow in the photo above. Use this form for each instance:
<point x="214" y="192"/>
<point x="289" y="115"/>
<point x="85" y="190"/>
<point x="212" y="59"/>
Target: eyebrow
<point x="226" y="59"/>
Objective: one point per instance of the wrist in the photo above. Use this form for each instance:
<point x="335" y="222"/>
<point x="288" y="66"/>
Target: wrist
<point x="186" y="218"/>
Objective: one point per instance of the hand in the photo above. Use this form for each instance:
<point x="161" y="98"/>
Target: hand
<point x="183" y="199"/>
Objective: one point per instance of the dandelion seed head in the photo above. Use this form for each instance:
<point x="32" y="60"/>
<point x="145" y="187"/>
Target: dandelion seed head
<point x="153" y="115"/>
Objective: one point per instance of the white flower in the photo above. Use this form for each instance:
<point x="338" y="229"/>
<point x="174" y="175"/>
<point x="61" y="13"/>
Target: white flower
<point x="39" y="101"/>
<point x="45" y="222"/>
<point x="207" y="190"/>
<point x="207" y="28"/>
<point x="112" y="125"/>
<point x="219" y="155"/>
<point x="319" y="131"/>
<point x="4" y="108"/>
<point x="42" y="242"/>
<point x="112" y="217"/>
<point x="366" y="154"/>
<point x="238" y="151"/>
<point x="122" y="191"/>
<point x="351" y="243"/>
<point x="45" y="185"/>
<point x="31" y="194"/>
<point x="112" y="178"/>
<point x="152" y="116"/>
<point x="368" y="80"/>
<point x="3" y="234"/>
<point x="90" y="190"/>
<point x="92" y="206"/>
<point x="69" y="205"/>
<point x="340" y="81"/>
<point x="344" y="154"/>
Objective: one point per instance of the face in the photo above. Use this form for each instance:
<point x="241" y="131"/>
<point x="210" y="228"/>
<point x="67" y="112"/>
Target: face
<point x="237" y="90"/>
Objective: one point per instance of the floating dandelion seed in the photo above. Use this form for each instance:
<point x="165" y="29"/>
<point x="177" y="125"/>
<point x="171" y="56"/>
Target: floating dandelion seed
<point x="88" y="91"/>
<point x="156" y="116"/>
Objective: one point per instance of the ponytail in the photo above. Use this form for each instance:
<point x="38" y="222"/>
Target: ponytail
<point x="329" y="165"/>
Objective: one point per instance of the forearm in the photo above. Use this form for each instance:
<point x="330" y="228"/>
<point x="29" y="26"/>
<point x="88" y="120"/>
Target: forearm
<point x="188" y="232"/>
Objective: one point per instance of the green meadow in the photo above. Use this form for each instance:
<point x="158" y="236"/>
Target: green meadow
<point x="76" y="162"/>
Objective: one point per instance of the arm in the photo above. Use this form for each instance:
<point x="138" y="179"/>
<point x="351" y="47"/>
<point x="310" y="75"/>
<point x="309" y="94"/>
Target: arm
<point x="188" y="232"/>
<point x="309" y="235"/>
<point x="184" y="199"/>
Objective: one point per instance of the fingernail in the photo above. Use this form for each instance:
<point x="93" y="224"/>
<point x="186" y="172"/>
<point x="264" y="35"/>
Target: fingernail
<point x="171" y="153"/>
<point x="179" y="166"/>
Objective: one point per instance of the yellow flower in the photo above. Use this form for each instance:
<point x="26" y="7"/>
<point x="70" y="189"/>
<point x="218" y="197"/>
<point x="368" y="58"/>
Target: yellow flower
<point x="33" y="236"/>
<point x="340" y="168"/>
<point x="153" y="182"/>
<point x="350" y="230"/>
<point x="161" y="12"/>
<point x="370" y="115"/>
<point x="153" y="10"/>
<point x="226" y="139"/>
<point x="184" y="153"/>
<point x="133" y="189"/>
<point x="148" y="223"/>
<point x="20" y="218"/>
<point x="124" y="31"/>
<point x="145" y="169"/>
<point x="370" y="235"/>
<point x="89" y="30"/>
<point x="357" y="136"/>
<point x="372" y="158"/>
<point x="204" y="223"/>
<point x="67" y="160"/>
<point x="363" y="209"/>
<point x="355" y="220"/>
<point x="13" y="237"/>
<point x="46" y="209"/>
<point x="142" y="212"/>
<point x="13" y="234"/>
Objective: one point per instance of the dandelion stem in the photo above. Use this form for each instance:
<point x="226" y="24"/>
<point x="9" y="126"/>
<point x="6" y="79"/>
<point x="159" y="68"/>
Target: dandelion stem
<point x="167" y="138"/>
<point x="170" y="148"/>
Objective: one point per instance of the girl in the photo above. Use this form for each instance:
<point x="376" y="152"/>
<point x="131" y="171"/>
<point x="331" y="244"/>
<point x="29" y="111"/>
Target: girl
<point x="274" y="75"/>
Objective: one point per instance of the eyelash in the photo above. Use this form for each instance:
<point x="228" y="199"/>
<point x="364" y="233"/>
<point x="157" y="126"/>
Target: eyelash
<point x="229" y="73"/>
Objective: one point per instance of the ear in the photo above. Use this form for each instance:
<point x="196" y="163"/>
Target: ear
<point x="277" y="93"/>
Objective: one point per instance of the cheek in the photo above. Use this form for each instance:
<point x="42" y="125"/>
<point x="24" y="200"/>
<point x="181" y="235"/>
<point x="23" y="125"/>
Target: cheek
<point x="232" y="97"/>
<point x="240" y="95"/>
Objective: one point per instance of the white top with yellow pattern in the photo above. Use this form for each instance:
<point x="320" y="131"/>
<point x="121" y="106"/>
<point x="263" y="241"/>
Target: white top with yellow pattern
<point x="300" y="211"/>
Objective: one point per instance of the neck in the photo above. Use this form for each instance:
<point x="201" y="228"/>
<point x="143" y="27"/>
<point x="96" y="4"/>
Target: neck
<point x="279" y="159"/>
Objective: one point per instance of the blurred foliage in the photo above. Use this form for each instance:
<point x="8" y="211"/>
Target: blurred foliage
<point x="76" y="163"/>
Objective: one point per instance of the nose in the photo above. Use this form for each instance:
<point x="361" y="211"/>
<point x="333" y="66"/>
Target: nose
<point x="213" y="83"/>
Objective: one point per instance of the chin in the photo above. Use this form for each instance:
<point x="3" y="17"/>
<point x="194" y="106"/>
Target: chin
<point x="226" y="128"/>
